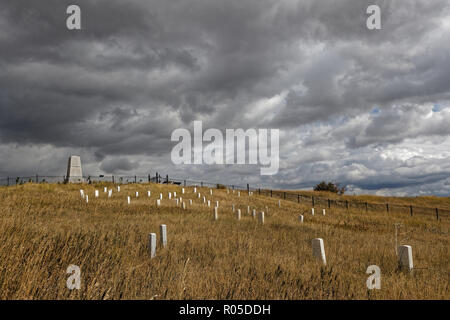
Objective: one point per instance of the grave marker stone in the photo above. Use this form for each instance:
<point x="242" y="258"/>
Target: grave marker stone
<point x="405" y="258"/>
<point x="152" y="244"/>
<point x="163" y="235"/>
<point x="261" y="217"/>
<point x="319" y="250"/>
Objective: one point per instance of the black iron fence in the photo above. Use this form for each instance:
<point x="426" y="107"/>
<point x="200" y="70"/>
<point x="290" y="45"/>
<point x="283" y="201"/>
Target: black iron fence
<point x="314" y="201"/>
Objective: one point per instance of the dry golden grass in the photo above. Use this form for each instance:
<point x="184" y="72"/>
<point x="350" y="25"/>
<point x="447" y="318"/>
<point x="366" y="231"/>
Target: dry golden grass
<point x="423" y="201"/>
<point x="45" y="228"/>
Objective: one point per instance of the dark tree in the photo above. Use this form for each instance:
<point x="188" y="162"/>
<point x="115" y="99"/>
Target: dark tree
<point x="330" y="187"/>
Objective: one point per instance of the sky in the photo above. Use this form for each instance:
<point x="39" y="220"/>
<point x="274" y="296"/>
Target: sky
<point x="369" y="109"/>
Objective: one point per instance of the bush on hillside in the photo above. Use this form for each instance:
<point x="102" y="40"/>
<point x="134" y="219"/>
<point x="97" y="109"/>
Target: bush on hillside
<point x="330" y="187"/>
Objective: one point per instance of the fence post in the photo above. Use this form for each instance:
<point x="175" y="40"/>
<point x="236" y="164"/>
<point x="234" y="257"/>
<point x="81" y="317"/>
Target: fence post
<point x="7" y="181"/>
<point x="346" y="204"/>
<point x="312" y="199"/>
<point x="149" y="179"/>
<point x="437" y="213"/>
<point x="185" y="183"/>
<point x="248" y="188"/>
<point x="366" y="206"/>
<point x="135" y="179"/>
<point x="285" y="196"/>
<point x="411" y="210"/>
<point x="201" y="184"/>
<point x="259" y="191"/>
<point x="271" y="193"/>
<point x="298" y="198"/>
<point x="37" y="179"/>
<point x="167" y="178"/>
<point x="329" y="203"/>
<point x="387" y="207"/>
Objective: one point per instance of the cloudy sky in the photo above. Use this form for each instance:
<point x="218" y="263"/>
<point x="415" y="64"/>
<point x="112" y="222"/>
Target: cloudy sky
<point x="367" y="108"/>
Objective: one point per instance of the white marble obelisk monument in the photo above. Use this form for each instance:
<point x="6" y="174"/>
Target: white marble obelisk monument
<point x="74" y="172"/>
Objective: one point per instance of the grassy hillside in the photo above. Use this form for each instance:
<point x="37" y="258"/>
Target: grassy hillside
<point x="45" y="228"/>
<point x="423" y="201"/>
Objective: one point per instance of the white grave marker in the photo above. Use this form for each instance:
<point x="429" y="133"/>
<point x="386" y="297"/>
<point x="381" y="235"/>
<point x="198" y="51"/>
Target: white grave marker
<point x="82" y="193"/>
<point x="312" y="211"/>
<point x="323" y="211"/>
<point x="238" y="214"/>
<point x="152" y="245"/>
<point x="405" y="258"/>
<point x="96" y="193"/>
<point x="261" y="217"/>
<point x="118" y="188"/>
<point x="87" y="199"/>
<point x="163" y="235"/>
<point x="190" y="202"/>
<point x="110" y="193"/>
<point x="182" y="190"/>
<point x="137" y="194"/>
<point x="128" y="199"/>
<point x="209" y="203"/>
<point x="300" y="218"/>
<point x="170" y="195"/>
<point x="254" y="213"/>
<point x="319" y="250"/>
<point x="217" y="203"/>
<point x="216" y="214"/>
<point x="149" y="193"/>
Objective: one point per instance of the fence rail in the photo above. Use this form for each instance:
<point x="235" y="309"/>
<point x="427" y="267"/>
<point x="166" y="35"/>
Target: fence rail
<point x="314" y="201"/>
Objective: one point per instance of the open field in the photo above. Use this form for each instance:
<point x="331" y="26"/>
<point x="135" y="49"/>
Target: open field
<point x="47" y="227"/>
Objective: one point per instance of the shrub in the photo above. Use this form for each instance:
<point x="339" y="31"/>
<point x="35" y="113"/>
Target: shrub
<point x="330" y="187"/>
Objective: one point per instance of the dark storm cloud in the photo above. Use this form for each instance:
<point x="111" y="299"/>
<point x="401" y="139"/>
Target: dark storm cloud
<point x="139" y="69"/>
